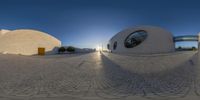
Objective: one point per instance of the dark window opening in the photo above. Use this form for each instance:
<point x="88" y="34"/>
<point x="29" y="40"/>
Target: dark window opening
<point x="115" y="46"/>
<point x="108" y="46"/>
<point x="135" y="38"/>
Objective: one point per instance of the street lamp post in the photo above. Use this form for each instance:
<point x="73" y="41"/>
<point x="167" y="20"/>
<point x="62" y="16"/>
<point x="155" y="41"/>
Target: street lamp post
<point x="199" y="44"/>
<point x="198" y="49"/>
<point x="102" y="47"/>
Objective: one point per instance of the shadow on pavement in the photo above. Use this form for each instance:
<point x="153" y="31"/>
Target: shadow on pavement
<point x="115" y="82"/>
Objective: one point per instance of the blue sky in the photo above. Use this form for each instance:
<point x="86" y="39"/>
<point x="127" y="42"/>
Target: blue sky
<point x="88" y="23"/>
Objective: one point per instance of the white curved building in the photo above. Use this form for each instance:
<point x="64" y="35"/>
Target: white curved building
<point x="27" y="42"/>
<point x="142" y="40"/>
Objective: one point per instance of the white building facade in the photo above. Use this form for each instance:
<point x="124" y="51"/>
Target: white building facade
<point x="142" y="40"/>
<point x="27" y="42"/>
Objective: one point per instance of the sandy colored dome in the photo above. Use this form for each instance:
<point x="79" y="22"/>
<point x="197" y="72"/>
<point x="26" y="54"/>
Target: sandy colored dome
<point x="149" y="39"/>
<point x="27" y="42"/>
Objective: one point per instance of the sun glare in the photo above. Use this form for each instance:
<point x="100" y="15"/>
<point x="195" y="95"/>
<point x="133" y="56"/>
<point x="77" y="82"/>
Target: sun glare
<point x="98" y="48"/>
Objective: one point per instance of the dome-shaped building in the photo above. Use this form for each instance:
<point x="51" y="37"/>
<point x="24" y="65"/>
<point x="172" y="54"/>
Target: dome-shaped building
<point x="142" y="40"/>
<point x="27" y="42"/>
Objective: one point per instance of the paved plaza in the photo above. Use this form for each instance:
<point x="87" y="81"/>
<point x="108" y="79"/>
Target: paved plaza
<point x="100" y="76"/>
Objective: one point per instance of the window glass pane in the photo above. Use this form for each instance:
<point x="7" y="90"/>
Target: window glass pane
<point x="135" y="38"/>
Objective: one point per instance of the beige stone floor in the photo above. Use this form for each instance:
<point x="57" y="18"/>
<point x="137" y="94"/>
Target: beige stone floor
<point x="100" y="76"/>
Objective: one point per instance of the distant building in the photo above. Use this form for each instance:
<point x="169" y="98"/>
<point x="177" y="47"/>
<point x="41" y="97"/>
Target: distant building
<point x="142" y="39"/>
<point x="80" y="50"/>
<point x="84" y="50"/>
<point x="27" y="42"/>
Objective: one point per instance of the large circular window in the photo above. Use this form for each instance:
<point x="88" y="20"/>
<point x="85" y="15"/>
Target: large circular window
<point x="115" y="45"/>
<point x="135" y="38"/>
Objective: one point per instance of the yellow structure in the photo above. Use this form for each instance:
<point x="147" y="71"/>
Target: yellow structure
<point x="41" y="51"/>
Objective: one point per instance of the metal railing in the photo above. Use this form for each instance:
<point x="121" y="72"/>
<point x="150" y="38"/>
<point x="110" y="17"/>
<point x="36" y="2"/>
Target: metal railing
<point x="186" y="38"/>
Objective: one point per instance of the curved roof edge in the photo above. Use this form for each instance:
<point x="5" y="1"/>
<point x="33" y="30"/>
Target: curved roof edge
<point x="36" y="31"/>
<point x="4" y="31"/>
<point x="138" y="27"/>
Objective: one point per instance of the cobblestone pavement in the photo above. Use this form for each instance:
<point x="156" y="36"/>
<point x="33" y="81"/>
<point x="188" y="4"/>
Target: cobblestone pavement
<point x="95" y="76"/>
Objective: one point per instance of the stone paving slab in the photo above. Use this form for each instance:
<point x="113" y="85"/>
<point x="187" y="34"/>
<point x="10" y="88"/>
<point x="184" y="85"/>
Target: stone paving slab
<point x="96" y="76"/>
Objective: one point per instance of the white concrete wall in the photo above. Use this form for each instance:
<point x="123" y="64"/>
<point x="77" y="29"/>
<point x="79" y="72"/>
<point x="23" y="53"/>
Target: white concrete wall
<point x="27" y="42"/>
<point x="157" y="41"/>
